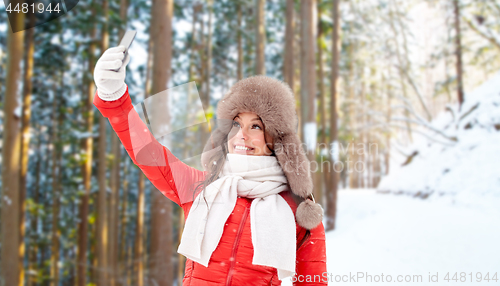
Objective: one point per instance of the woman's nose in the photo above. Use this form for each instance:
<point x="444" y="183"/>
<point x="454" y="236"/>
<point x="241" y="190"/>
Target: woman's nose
<point x="241" y="134"/>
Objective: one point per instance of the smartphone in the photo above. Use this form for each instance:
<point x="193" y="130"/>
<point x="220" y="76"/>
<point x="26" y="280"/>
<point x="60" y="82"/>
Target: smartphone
<point x="126" y="41"/>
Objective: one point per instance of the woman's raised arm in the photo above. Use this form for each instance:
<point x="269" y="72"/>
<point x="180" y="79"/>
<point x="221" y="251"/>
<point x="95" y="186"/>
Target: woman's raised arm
<point x="172" y="177"/>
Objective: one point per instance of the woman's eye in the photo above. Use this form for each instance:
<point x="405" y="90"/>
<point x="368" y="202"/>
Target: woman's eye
<point x="236" y="124"/>
<point x="257" y="126"/>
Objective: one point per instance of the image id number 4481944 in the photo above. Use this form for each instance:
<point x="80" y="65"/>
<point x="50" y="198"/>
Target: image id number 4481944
<point x="33" y="8"/>
<point x="463" y="277"/>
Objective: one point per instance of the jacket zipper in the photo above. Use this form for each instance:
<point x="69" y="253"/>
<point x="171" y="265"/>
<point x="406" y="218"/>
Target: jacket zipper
<point x="235" y="246"/>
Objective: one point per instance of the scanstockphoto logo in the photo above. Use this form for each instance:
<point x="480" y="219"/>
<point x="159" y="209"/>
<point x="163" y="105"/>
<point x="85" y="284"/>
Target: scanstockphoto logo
<point x="35" y="12"/>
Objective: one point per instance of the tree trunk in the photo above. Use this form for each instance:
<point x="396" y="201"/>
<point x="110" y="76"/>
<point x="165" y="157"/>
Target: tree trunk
<point x="351" y="112"/>
<point x="307" y="67"/>
<point x="87" y="166"/>
<point x="56" y="155"/>
<point x="102" y="209"/>
<point x="447" y="63"/>
<point x="34" y="241"/>
<point x="203" y="62"/>
<point x="388" y="133"/>
<point x="308" y="79"/>
<point x="208" y="70"/>
<point x="130" y="263"/>
<point x="25" y="140"/>
<point x="182" y="260"/>
<point x="458" y="52"/>
<point x="288" y="64"/>
<point x="323" y="172"/>
<point x="260" y="37"/>
<point x="123" y="229"/>
<point x="113" y="215"/>
<point x="331" y="201"/>
<point x="196" y="9"/>
<point x="204" y="52"/>
<point x="297" y="52"/>
<point x="240" y="45"/>
<point x="371" y="157"/>
<point x="161" y="223"/>
<point x="9" y="259"/>
<point x="362" y="138"/>
<point x="113" y="210"/>
<point x="139" y="234"/>
<point x="138" y="264"/>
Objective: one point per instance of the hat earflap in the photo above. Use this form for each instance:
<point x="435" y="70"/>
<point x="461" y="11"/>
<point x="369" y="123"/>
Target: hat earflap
<point x="295" y="165"/>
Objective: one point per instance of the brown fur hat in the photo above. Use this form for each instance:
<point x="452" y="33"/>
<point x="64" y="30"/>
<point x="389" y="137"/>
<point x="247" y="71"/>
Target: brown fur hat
<point x="273" y="101"/>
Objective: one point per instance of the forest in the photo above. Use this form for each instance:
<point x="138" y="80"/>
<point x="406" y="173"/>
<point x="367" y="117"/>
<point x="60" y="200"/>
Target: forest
<point x="369" y="78"/>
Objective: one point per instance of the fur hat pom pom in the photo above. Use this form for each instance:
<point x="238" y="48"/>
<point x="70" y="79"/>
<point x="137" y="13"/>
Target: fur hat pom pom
<point x="309" y="214"/>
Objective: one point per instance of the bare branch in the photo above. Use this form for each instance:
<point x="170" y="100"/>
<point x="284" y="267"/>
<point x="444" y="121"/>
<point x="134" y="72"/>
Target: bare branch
<point x="417" y="91"/>
<point x="383" y="124"/>
<point x="450" y="109"/>
<point x="421" y="121"/>
<point x="476" y="29"/>
<point x="496" y="5"/>
<point x="428" y="126"/>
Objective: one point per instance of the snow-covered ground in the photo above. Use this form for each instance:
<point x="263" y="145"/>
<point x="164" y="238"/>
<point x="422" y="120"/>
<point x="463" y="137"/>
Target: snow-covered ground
<point x="460" y="155"/>
<point x="402" y="235"/>
<point x="435" y="220"/>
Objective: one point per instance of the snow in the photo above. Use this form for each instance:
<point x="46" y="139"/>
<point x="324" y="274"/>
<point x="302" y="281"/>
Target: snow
<point x="401" y="235"/>
<point x="334" y="151"/>
<point x="7" y="200"/>
<point x="310" y="135"/>
<point x="438" y="215"/>
<point x="56" y="40"/>
<point x="466" y="169"/>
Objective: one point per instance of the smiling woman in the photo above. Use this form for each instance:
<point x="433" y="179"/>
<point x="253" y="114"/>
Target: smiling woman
<point x="249" y="219"/>
<point x="249" y="137"/>
<point x="260" y="134"/>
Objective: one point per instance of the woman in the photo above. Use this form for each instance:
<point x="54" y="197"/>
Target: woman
<point x="252" y="220"/>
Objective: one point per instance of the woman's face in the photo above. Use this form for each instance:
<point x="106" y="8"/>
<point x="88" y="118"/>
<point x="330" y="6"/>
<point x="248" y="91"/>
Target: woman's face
<point x="248" y="136"/>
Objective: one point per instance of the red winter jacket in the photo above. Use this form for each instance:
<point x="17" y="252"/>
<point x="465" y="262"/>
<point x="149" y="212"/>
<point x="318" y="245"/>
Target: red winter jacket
<point x="231" y="262"/>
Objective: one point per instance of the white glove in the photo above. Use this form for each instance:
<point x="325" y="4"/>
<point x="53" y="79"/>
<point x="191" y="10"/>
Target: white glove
<point x="111" y="84"/>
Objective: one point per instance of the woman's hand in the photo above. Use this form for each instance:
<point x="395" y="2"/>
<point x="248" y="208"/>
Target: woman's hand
<point x="111" y="83"/>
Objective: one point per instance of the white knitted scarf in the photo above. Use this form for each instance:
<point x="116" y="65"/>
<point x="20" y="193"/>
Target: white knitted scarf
<point x="271" y="218"/>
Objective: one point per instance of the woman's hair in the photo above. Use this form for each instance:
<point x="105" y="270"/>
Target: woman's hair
<point x="214" y="167"/>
